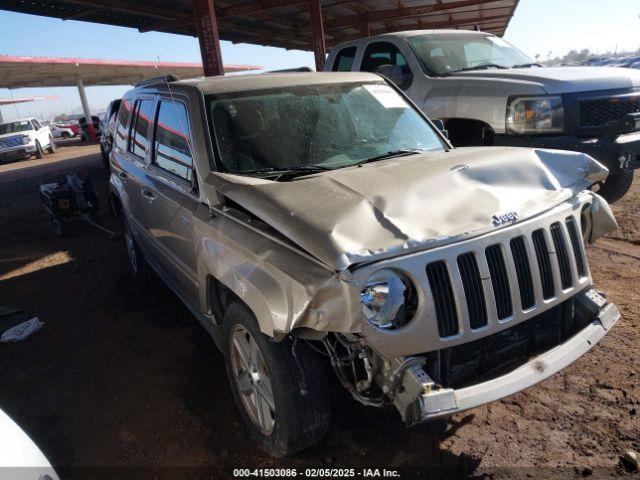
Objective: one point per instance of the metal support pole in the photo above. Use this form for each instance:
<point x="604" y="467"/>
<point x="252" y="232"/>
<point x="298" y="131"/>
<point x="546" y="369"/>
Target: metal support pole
<point x="364" y="30"/>
<point x="85" y="109"/>
<point x="317" y="34"/>
<point x="207" y="25"/>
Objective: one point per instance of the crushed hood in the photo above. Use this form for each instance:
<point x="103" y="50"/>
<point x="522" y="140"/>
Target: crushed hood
<point x="396" y="206"/>
<point x="558" y="80"/>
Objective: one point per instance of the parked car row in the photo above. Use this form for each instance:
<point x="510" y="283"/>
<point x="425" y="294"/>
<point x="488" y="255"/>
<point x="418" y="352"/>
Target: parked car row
<point x="625" y="62"/>
<point x="22" y="139"/>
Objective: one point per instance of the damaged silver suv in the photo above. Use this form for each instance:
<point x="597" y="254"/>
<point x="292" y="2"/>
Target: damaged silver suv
<point x="316" y="222"/>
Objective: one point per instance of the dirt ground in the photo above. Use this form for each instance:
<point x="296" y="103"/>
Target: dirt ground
<point x="121" y="381"/>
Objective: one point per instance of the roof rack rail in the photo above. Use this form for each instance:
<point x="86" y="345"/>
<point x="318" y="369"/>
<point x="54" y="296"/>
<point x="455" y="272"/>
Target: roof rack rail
<point x="291" y="70"/>
<point x="152" y="80"/>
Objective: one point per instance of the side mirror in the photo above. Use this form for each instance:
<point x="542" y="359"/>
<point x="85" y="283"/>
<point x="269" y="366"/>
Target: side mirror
<point x="398" y="75"/>
<point x="439" y="124"/>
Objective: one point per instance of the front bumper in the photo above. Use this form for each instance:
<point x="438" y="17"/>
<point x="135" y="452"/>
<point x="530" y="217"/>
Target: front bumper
<point x="433" y="402"/>
<point x="17" y="153"/>
<point x="618" y="148"/>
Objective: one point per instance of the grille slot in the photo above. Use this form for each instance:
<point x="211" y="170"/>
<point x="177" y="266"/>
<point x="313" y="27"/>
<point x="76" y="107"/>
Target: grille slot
<point x="523" y="271"/>
<point x="500" y="281"/>
<point x="544" y="264"/>
<point x="473" y="291"/>
<point x="576" y="243"/>
<point x="598" y="113"/>
<point x="443" y="298"/>
<point x="563" y="255"/>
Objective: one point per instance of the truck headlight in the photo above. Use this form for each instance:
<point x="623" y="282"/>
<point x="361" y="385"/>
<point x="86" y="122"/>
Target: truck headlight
<point x="388" y="299"/>
<point x="25" y="139"/>
<point x="535" y="115"/>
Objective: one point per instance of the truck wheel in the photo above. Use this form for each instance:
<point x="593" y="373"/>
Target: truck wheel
<point x="138" y="265"/>
<point x="57" y="226"/>
<point x="616" y="185"/>
<point x="266" y="381"/>
<point x="52" y="146"/>
<point x="39" y="151"/>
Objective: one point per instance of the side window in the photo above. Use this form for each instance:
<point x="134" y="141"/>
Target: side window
<point x="172" y="151"/>
<point x="385" y="58"/>
<point x="36" y="125"/>
<point x="344" y="59"/>
<point x="124" y="113"/>
<point x="381" y="53"/>
<point x="143" y="112"/>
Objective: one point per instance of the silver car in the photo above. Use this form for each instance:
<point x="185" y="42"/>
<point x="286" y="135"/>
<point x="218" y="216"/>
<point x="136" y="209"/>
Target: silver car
<point x="319" y="221"/>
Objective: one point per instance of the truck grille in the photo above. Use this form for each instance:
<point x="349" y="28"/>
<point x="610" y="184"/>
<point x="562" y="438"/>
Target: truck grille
<point x="11" y="142"/>
<point x="598" y="113"/>
<point x="502" y="281"/>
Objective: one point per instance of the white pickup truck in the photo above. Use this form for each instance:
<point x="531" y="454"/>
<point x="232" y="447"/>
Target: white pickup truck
<point x="23" y="138"/>
<point x="487" y="92"/>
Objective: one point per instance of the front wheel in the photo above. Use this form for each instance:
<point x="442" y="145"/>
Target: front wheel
<point x="39" y="151"/>
<point x="283" y="400"/>
<point x="617" y="185"/>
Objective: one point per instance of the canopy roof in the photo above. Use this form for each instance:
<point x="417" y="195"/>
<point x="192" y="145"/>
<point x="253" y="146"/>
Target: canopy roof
<point x="281" y="23"/>
<point x="18" y="72"/>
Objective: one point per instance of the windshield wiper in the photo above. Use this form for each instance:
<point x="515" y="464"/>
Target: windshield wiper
<point x="393" y="153"/>
<point x="527" y="65"/>
<point x="280" y="171"/>
<point x="477" y="67"/>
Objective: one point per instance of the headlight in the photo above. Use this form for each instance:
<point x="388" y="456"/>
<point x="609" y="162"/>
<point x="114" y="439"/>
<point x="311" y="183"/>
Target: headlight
<point x="388" y="300"/>
<point x="25" y="139"/>
<point x="531" y="115"/>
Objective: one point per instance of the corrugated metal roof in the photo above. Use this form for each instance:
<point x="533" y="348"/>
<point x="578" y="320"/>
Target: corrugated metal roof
<point x="281" y="23"/>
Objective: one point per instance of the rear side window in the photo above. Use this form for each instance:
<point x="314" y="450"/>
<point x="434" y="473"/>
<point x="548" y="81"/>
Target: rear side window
<point x="379" y="54"/>
<point x="120" y="139"/>
<point x="344" y="60"/>
<point x="172" y="140"/>
<point x="139" y="144"/>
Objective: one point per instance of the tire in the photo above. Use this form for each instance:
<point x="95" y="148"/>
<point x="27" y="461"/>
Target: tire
<point x="617" y="185"/>
<point x="105" y="156"/>
<point x="39" y="151"/>
<point x="138" y="266"/>
<point x="291" y="421"/>
<point x="52" y="146"/>
<point x="57" y="225"/>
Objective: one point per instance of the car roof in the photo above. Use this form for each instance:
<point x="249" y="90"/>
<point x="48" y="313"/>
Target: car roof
<point x="242" y="83"/>
<point x="413" y="33"/>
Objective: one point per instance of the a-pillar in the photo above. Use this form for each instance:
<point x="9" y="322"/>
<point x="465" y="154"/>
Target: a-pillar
<point x="85" y="109"/>
<point x="317" y="34"/>
<point x="207" y="25"/>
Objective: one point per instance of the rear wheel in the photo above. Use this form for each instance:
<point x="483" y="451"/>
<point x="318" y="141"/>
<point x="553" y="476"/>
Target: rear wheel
<point x="284" y="410"/>
<point x="52" y="145"/>
<point x="138" y="265"/>
<point x="617" y="185"/>
<point x="39" y="151"/>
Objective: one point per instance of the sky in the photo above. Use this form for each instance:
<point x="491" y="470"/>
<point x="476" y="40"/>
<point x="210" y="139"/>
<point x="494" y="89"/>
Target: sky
<point x="538" y="27"/>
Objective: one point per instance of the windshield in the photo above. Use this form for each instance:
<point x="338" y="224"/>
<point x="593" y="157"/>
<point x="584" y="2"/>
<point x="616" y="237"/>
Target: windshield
<point x="15" y="127"/>
<point x="320" y="126"/>
<point x="444" y="54"/>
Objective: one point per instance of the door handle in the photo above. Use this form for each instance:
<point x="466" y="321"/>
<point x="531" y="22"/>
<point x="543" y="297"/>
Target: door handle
<point x="123" y="175"/>
<point x="148" y="194"/>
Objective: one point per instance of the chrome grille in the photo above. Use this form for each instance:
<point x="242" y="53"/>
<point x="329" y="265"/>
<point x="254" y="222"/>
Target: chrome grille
<point x="600" y="112"/>
<point x="443" y="298"/>
<point x="473" y="291"/>
<point x="506" y="278"/>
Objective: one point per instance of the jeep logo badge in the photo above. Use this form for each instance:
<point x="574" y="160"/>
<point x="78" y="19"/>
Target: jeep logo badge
<point x="509" y="217"/>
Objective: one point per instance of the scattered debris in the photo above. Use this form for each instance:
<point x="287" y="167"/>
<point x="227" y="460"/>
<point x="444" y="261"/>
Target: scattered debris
<point x="587" y="471"/>
<point x="22" y="330"/>
<point x="630" y="461"/>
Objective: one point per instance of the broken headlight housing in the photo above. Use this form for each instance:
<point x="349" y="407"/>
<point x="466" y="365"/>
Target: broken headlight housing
<point x="535" y="115"/>
<point x="389" y="299"/>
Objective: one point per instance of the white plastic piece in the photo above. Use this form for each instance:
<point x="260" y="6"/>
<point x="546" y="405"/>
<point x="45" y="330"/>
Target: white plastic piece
<point x="22" y="330"/>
